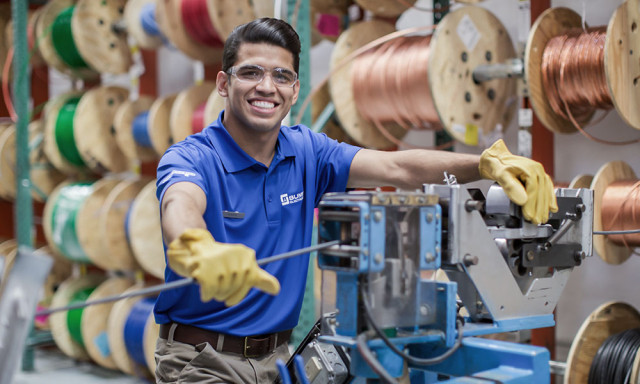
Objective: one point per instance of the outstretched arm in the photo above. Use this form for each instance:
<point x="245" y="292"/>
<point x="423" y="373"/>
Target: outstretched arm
<point x="410" y="169"/>
<point x="182" y="207"/>
<point x="523" y="180"/>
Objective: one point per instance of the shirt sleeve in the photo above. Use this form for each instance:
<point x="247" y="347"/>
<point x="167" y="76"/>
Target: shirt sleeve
<point x="333" y="164"/>
<point x="178" y="164"/>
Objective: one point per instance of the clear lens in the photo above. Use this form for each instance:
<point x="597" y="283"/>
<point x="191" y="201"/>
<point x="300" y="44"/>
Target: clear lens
<point x="256" y="73"/>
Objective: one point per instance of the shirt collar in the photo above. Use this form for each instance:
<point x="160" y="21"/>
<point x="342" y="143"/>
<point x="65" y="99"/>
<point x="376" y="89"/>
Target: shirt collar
<point x="233" y="157"/>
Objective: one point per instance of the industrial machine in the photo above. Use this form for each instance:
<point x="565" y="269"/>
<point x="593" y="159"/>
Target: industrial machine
<point x="385" y="310"/>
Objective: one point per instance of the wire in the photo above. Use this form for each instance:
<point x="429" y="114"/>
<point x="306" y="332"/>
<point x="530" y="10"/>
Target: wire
<point x="614" y="359"/>
<point x="370" y="358"/>
<point x="574" y="79"/>
<point x="394" y="348"/>
<point x="627" y="232"/>
<point x="180" y="283"/>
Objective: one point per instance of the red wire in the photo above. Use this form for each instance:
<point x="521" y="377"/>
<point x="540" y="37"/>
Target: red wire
<point x="5" y="85"/>
<point x="196" y="20"/>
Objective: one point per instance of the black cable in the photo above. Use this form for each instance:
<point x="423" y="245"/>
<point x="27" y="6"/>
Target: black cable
<point x="613" y="362"/>
<point x="411" y="359"/>
<point x="370" y="358"/>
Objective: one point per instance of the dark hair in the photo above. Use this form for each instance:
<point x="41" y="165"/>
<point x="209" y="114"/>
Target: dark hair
<point x="265" y="30"/>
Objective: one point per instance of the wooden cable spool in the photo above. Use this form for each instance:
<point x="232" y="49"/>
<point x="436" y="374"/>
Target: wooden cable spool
<point x="224" y="15"/>
<point x="465" y="109"/>
<point x="5" y="41"/>
<point x="606" y="320"/>
<point x="58" y="321"/>
<point x="35" y="57"/>
<point x="123" y="122"/>
<point x="331" y="128"/>
<point x="8" y="250"/>
<point x="115" y="332"/>
<point x="385" y="8"/>
<point x="263" y="9"/>
<point x="184" y="107"/>
<point x="8" y="162"/>
<point x="60" y="271"/>
<point x="113" y="224"/>
<point x="50" y="12"/>
<point x="621" y="62"/>
<point x="132" y="12"/>
<point x="43" y="176"/>
<point x="94" y="132"/>
<point x="454" y="56"/>
<point x="4" y="191"/>
<point x="94" y="321"/>
<point x="100" y="44"/>
<point x="581" y="181"/>
<point x="145" y="233"/>
<point x="215" y="105"/>
<point x="101" y="227"/>
<point x="88" y="221"/>
<point x="160" y="123"/>
<point x="608" y="174"/>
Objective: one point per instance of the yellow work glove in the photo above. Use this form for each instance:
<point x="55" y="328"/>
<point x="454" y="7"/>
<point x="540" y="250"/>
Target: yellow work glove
<point x="225" y="272"/>
<point x="523" y="180"/>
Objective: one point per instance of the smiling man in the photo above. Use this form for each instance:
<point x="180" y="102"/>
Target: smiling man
<point x="245" y="188"/>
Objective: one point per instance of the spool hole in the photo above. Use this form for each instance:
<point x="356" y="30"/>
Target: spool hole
<point x="100" y="22"/>
<point x="476" y="116"/>
<point x="634" y="26"/>
<point x="635" y="81"/>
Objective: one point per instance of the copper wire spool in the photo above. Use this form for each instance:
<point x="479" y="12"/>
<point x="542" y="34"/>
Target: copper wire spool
<point x="615" y="198"/>
<point x="391" y="84"/>
<point x="573" y="71"/>
<point x="573" y="74"/>
<point x="417" y="82"/>
<point x="621" y="211"/>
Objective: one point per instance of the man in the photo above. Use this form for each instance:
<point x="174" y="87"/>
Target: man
<point x="252" y="184"/>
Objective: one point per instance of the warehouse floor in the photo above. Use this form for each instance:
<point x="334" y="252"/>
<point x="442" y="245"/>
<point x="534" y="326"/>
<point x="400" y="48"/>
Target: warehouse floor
<point x="51" y="366"/>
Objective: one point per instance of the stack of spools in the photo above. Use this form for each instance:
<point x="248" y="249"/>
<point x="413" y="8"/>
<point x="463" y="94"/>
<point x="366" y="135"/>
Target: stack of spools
<point x="103" y="220"/>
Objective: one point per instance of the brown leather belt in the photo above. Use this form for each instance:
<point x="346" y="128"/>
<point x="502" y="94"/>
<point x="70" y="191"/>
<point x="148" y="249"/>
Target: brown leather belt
<point x="250" y="346"/>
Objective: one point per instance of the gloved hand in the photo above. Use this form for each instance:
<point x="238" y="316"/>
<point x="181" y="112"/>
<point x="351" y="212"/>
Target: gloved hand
<point x="523" y="180"/>
<point x="225" y="272"/>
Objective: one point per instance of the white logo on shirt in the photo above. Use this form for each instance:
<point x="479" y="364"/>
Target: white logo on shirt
<point x="286" y="199"/>
<point x="176" y="172"/>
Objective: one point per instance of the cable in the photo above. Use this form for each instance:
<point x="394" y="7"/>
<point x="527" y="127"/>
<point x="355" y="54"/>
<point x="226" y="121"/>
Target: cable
<point x="627" y="232"/>
<point x="182" y="282"/>
<point x="614" y="360"/>
<point x="574" y="79"/>
<point x="370" y="358"/>
<point x="394" y="348"/>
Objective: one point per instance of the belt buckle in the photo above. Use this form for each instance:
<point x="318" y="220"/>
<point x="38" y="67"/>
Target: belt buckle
<point x="244" y="350"/>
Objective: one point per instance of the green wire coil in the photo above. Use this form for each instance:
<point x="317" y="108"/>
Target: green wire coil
<point x="65" y="138"/>
<point x="63" y="220"/>
<point x="74" y="316"/>
<point x="62" y="38"/>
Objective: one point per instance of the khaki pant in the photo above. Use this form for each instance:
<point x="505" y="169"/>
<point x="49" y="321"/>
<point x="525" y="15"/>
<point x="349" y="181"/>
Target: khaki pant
<point x="183" y="363"/>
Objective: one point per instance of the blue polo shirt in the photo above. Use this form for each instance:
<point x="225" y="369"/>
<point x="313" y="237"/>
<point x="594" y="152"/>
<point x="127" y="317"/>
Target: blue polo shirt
<point x="267" y="209"/>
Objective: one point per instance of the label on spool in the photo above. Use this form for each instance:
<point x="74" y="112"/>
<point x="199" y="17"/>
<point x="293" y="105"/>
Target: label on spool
<point x="468" y="132"/>
<point x="102" y="343"/>
<point x="468" y="33"/>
